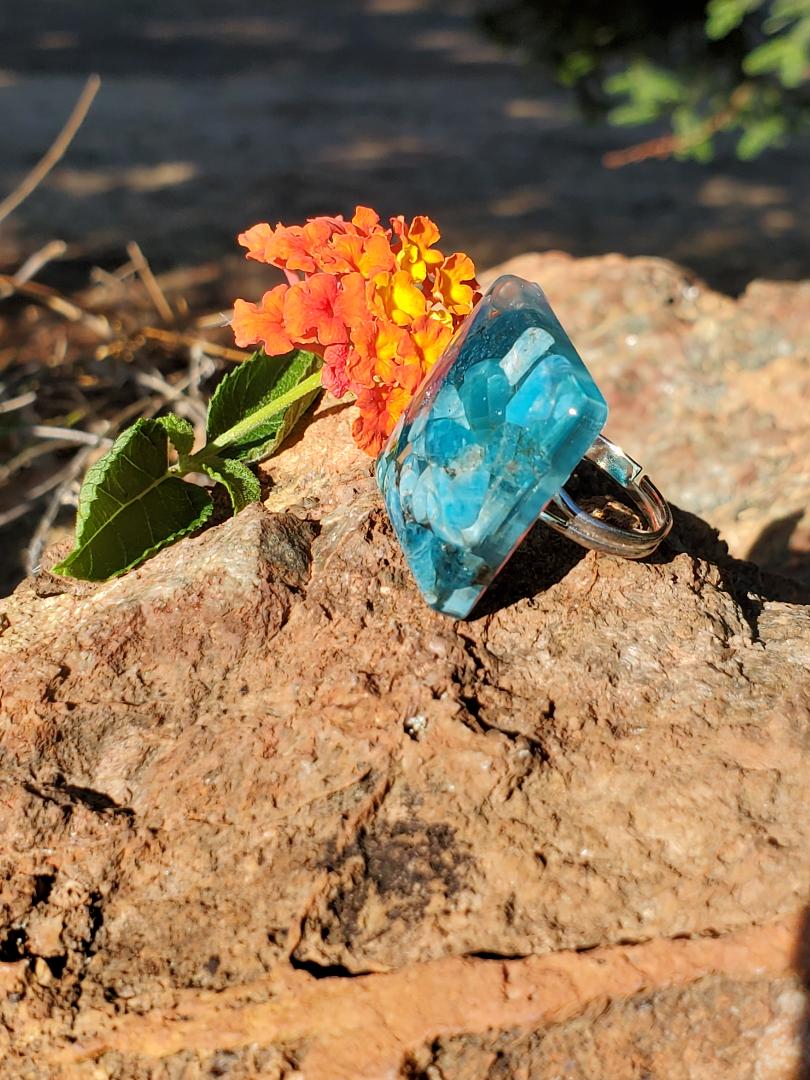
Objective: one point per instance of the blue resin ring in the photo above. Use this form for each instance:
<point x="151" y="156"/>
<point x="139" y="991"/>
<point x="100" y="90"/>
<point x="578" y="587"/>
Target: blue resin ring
<point x="487" y="443"/>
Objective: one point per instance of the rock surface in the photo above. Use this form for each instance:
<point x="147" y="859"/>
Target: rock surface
<point x="264" y="813"/>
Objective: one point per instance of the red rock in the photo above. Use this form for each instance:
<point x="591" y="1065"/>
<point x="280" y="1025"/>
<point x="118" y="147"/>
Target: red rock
<point x="264" y="813"/>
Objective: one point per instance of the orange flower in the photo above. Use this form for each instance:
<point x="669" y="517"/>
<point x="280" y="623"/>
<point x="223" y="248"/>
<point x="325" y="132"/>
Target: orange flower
<point x="431" y="337"/>
<point x="380" y="305"/>
<point x="370" y="255"/>
<point x="366" y="220"/>
<point x="379" y="410"/>
<point x="455" y="286"/>
<point x="398" y="360"/>
<point x="416" y="254"/>
<point x="263" y="322"/>
<point x="398" y="298"/>
<point x="256" y="240"/>
<point x="297" y="247"/>
<point x="309" y="312"/>
<point x="384" y="354"/>
<point x="353" y="301"/>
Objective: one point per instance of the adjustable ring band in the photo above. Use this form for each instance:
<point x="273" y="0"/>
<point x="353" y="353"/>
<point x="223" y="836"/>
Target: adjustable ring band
<point x="563" y="514"/>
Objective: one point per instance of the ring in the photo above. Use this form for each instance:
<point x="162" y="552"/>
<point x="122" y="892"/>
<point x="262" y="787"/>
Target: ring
<point x="487" y="443"/>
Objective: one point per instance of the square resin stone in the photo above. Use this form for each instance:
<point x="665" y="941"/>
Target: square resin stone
<point x="492" y="434"/>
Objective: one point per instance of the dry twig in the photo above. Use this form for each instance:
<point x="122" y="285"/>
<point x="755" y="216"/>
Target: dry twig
<point x="18" y="402"/>
<point x="70" y="435"/>
<point x="665" y="146"/>
<point x="174" y="339"/>
<point x="50" y="298"/>
<point x="36" y="544"/>
<point x="54" y="249"/>
<point x="35" y="494"/>
<point x="56" y="151"/>
<point x="156" y="294"/>
<point x="29" y="454"/>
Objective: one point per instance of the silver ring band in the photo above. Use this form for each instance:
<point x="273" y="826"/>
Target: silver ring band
<point x="563" y="514"/>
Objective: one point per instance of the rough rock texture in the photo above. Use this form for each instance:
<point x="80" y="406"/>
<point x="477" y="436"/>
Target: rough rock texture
<point x="264" y="813"/>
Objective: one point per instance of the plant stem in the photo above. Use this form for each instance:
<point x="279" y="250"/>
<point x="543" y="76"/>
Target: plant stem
<point x="244" y="427"/>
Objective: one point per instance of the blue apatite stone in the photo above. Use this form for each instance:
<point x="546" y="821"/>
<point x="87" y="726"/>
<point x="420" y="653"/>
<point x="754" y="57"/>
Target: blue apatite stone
<point x="423" y="555"/>
<point x="485" y="394"/>
<point x="492" y="434"/>
<point x="447" y="404"/>
<point x="446" y="440"/>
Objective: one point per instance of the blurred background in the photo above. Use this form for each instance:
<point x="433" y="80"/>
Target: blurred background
<point x="519" y="125"/>
<point x="213" y="116"/>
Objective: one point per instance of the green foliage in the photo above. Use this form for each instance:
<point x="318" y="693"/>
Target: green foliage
<point x="759" y="107"/>
<point x="237" y="479"/>
<point x="133" y="501"/>
<point x="131" y="506"/>
<point x="707" y="67"/>
<point x="723" y="16"/>
<point x="648" y="90"/>
<point x="259" y="384"/>
<point x="575" y="66"/>
<point x="786" y="55"/>
<point x="760" y="134"/>
<point x="690" y="130"/>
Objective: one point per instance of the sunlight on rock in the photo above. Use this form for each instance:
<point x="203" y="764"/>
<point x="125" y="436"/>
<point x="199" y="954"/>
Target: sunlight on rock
<point x="7" y="79"/>
<point x="84" y="182"/>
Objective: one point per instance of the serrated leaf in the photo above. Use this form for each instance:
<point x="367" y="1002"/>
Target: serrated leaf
<point x="240" y="483"/>
<point x="179" y="431"/>
<point x="251" y="385"/>
<point x="130" y="506"/>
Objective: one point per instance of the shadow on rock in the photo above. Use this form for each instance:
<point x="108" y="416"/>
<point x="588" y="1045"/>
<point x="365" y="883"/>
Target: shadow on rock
<point x="747" y="583"/>
<point x="774" y="548"/>
<point x="545" y="557"/>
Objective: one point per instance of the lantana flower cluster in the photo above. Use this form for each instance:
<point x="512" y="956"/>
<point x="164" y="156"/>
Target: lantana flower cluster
<point x="379" y="305"/>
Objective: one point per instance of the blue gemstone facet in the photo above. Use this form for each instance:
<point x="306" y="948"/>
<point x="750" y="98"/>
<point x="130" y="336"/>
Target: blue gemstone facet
<point x="492" y="434"/>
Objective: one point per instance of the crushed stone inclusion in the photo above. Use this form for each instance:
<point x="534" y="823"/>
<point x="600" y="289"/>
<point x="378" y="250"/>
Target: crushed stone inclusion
<point x="492" y="434"/>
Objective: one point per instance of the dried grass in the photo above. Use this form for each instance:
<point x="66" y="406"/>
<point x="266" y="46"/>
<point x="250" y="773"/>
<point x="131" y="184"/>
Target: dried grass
<point x="78" y="366"/>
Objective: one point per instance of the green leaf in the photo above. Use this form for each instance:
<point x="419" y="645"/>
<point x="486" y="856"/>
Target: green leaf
<point x="650" y="91"/>
<point x="239" y="481"/>
<point x="786" y="56"/>
<point x="759" y="135"/>
<point x="249" y="388"/>
<point x="575" y="66"/>
<point x="723" y="16"/>
<point x="130" y="506"/>
<point x="695" y="135"/>
<point x="179" y="431"/>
